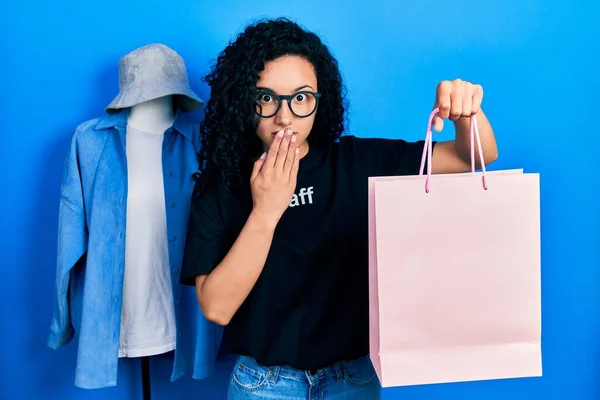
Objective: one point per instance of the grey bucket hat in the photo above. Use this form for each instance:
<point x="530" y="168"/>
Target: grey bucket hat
<point x="150" y="72"/>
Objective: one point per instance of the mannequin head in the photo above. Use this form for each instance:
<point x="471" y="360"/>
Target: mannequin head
<point x="152" y="116"/>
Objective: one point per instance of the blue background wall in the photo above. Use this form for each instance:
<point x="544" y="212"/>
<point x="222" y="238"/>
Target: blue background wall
<point x="538" y="62"/>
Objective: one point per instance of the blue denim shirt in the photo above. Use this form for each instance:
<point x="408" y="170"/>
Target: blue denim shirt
<point x="91" y="250"/>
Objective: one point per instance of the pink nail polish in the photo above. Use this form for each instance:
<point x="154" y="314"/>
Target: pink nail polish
<point x="293" y="138"/>
<point x="280" y="134"/>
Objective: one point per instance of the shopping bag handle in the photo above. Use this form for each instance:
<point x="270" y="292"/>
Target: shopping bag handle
<point x="427" y="149"/>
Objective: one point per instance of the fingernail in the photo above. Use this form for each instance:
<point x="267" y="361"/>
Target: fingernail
<point x="293" y="138"/>
<point x="263" y="155"/>
<point x="288" y="131"/>
<point x="297" y="150"/>
<point x="280" y="134"/>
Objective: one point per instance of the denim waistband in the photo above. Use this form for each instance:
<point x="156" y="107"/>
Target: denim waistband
<point x="285" y="371"/>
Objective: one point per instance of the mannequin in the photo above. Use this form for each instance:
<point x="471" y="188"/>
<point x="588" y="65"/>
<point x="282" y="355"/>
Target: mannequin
<point x="124" y="205"/>
<point x="152" y="116"/>
<point x="147" y="321"/>
<point x="147" y="316"/>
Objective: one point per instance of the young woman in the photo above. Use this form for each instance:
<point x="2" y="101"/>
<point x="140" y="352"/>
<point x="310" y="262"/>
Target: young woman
<point x="277" y="242"/>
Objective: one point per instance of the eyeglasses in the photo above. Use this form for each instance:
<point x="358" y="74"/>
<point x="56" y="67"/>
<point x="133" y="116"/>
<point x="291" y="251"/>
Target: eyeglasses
<point x="302" y="104"/>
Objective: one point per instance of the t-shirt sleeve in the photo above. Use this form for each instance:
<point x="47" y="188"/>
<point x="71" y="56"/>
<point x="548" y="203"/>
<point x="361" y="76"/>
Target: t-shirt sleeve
<point x="206" y="239"/>
<point x="387" y="157"/>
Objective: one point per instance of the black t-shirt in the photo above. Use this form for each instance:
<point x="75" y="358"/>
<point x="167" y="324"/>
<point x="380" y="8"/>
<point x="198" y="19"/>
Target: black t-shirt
<point x="309" y="307"/>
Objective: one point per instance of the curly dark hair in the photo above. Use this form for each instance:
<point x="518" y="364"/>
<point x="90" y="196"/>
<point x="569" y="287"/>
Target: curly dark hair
<point x="228" y="130"/>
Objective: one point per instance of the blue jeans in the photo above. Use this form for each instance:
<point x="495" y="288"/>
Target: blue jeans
<point x="347" y="380"/>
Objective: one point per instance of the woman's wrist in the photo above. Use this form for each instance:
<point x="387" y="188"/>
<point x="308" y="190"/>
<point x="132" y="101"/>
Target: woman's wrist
<point x="260" y="221"/>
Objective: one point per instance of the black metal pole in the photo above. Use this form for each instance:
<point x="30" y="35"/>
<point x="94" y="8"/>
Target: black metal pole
<point x="146" y="378"/>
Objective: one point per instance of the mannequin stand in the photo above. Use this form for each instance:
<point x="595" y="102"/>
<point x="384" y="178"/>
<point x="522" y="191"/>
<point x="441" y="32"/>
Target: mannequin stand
<point x="146" y="394"/>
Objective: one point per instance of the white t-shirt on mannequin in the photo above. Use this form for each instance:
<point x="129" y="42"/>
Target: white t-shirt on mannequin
<point x="147" y="315"/>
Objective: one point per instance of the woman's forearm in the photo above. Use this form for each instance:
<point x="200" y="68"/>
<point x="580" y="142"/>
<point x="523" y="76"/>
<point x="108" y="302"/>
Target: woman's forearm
<point x="223" y="291"/>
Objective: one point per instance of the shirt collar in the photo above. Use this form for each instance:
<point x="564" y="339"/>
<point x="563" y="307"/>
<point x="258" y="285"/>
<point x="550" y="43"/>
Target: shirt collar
<point x="119" y="119"/>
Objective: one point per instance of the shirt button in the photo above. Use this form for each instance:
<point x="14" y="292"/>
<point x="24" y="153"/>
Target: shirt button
<point x="178" y="302"/>
<point x="176" y="271"/>
<point x="171" y="205"/>
<point x="173" y="238"/>
<point x="170" y="174"/>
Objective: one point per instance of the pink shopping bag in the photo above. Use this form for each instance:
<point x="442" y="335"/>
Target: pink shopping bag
<point x="454" y="275"/>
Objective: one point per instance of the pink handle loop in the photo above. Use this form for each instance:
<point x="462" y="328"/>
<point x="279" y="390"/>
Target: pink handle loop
<point x="427" y="150"/>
